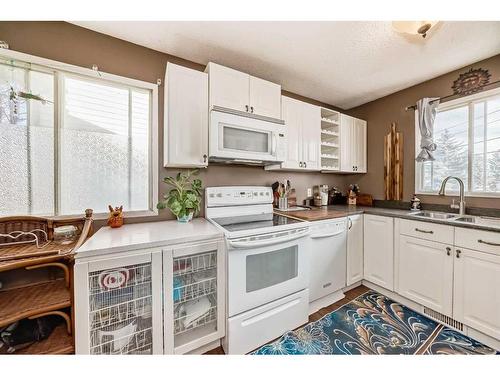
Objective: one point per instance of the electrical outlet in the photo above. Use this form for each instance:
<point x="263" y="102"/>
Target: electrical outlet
<point x="309" y="192"/>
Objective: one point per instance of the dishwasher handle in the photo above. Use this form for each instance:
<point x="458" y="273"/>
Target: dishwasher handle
<point x="325" y="235"/>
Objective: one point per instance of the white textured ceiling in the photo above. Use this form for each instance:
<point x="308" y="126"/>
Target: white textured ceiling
<point x="343" y="63"/>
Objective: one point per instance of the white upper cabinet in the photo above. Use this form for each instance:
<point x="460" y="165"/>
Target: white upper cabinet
<point x="346" y="143"/>
<point x="360" y="137"/>
<point x="303" y="127"/>
<point x="186" y="117"/>
<point x="311" y="136"/>
<point x="265" y="98"/>
<point x="230" y="88"/>
<point x="291" y="110"/>
<point x="352" y="144"/>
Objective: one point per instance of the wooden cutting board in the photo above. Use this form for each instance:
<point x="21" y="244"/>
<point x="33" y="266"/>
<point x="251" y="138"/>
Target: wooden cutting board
<point x="393" y="164"/>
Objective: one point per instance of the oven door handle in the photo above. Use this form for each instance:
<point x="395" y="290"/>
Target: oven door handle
<point x="326" y="235"/>
<point x="237" y="244"/>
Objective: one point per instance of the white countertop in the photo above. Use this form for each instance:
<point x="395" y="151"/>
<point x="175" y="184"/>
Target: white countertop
<point x="145" y="235"/>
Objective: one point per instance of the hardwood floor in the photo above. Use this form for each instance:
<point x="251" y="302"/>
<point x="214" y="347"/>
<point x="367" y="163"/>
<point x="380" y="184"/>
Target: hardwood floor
<point x="349" y="296"/>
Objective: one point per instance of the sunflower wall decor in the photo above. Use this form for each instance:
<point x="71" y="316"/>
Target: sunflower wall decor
<point x="471" y="82"/>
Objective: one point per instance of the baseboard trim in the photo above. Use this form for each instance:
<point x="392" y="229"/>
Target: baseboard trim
<point x="317" y="305"/>
<point x="206" y="348"/>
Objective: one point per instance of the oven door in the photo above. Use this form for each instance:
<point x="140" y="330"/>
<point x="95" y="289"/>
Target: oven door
<point x="266" y="268"/>
<point x="238" y="137"/>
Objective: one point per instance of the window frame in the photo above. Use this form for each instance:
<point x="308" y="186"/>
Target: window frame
<point x="59" y="70"/>
<point x="468" y="101"/>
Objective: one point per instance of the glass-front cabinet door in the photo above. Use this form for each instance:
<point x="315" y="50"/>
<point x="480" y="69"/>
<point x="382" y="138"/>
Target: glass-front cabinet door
<point x="194" y="296"/>
<point x="120" y="312"/>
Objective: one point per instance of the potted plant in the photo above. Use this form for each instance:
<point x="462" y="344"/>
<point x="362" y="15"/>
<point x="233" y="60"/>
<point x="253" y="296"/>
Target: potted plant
<point x="184" y="199"/>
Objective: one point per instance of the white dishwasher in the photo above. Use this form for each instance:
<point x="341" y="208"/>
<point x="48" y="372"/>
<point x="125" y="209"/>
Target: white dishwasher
<point x="328" y="244"/>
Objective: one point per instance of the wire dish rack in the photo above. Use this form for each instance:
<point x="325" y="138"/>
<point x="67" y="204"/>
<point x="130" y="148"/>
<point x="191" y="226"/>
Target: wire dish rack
<point x="195" y="263"/>
<point x="180" y="325"/>
<point x="194" y="291"/>
<point x="120" y="315"/>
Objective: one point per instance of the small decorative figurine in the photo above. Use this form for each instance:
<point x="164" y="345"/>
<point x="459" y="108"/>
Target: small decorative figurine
<point x="416" y="205"/>
<point x="115" y="217"/>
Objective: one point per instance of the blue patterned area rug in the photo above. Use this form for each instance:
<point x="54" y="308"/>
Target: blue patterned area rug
<point x="374" y="324"/>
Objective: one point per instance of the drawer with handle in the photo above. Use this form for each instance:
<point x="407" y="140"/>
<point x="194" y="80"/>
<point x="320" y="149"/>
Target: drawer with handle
<point x="481" y="240"/>
<point x="428" y="231"/>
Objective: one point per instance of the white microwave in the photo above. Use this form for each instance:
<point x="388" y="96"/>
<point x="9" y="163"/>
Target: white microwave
<point x="243" y="138"/>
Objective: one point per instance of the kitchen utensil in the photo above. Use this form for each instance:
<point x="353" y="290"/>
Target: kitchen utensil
<point x="283" y="203"/>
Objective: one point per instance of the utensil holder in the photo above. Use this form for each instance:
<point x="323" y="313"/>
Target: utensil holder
<point x="283" y="203"/>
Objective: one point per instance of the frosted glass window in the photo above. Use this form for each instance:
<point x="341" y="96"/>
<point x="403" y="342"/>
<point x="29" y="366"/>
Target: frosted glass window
<point x="245" y="140"/>
<point x="88" y="147"/>
<point x="26" y="142"/>
<point x="104" y="147"/>
<point x="468" y="146"/>
<point x="271" y="268"/>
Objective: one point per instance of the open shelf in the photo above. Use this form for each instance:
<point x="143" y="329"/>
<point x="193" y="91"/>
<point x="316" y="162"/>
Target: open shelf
<point x="20" y="303"/>
<point x="329" y="144"/>
<point x="59" y="342"/>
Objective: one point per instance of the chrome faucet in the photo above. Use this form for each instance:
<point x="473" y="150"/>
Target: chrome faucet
<point x="461" y="204"/>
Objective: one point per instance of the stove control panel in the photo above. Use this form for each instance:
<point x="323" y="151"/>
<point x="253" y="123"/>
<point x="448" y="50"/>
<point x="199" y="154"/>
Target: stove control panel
<point x="238" y="195"/>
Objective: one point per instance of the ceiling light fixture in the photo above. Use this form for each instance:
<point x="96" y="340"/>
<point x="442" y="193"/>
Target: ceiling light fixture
<point x="414" y="27"/>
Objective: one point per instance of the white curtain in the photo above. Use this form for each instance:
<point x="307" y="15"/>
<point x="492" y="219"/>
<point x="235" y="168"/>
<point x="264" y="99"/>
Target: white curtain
<point x="426" y="114"/>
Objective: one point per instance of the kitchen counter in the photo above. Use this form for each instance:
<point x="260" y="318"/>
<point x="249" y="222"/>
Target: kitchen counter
<point x="146" y="235"/>
<point x="336" y="211"/>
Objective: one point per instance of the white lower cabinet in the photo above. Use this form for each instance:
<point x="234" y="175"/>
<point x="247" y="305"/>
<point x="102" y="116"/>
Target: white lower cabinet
<point x="354" y="249"/>
<point x="194" y="303"/>
<point x="379" y="250"/>
<point x="162" y="300"/>
<point x="476" y="291"/>
<point x="425" y="273"/>
<point x="118" y="305"/>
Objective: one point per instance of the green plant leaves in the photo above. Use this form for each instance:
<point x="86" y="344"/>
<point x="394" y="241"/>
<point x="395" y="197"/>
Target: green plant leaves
<point x="185" y="195"/>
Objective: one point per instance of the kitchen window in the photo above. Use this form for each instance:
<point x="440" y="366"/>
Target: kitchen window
<point x="85" y="140"/>
<point x="467" y="135"/>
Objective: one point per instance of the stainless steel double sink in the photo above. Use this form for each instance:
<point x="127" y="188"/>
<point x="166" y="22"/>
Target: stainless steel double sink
<point x="468" y="219"/>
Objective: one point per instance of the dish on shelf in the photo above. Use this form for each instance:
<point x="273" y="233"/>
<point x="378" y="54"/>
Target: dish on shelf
<point x="118" y="337"/>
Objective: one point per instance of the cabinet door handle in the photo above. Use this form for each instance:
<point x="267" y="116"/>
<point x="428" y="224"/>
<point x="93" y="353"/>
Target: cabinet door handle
<point x="300" y="164"/>
<point x="251" y="109"/>
<point x="488" y="243"/>
<point x="246" y="107"/>
<point x="350" y="223"/>
<point x="305" y="165"/>
<point x="205" y="158"/>
<point x="424" y="231"/>
<point x="448" y="250"/>
<point x="458" y="253"/>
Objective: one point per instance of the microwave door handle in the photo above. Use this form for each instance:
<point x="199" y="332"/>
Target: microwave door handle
<point x="249" y="244"/>
<point x="274" y="144"/>
<point x="326" y="235"/>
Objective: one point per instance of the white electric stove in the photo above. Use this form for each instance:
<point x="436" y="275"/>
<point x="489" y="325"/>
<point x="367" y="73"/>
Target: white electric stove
<point x="268" y="266"/>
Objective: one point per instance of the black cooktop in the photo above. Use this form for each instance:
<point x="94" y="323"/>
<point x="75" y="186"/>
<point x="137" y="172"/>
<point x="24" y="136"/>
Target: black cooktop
<point x="247" y="222"/>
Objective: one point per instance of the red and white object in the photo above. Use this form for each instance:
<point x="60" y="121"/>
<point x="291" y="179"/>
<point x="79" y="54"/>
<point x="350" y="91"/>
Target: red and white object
<point x="113" y="279"/>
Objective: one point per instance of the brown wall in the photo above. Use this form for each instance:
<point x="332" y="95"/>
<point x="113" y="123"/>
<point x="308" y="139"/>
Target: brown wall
<point x="79" y="46"/>
<point x="381" y="112"/>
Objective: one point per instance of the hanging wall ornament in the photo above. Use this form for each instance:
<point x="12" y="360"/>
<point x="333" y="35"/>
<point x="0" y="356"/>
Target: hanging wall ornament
<point x="471" y="82"/>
